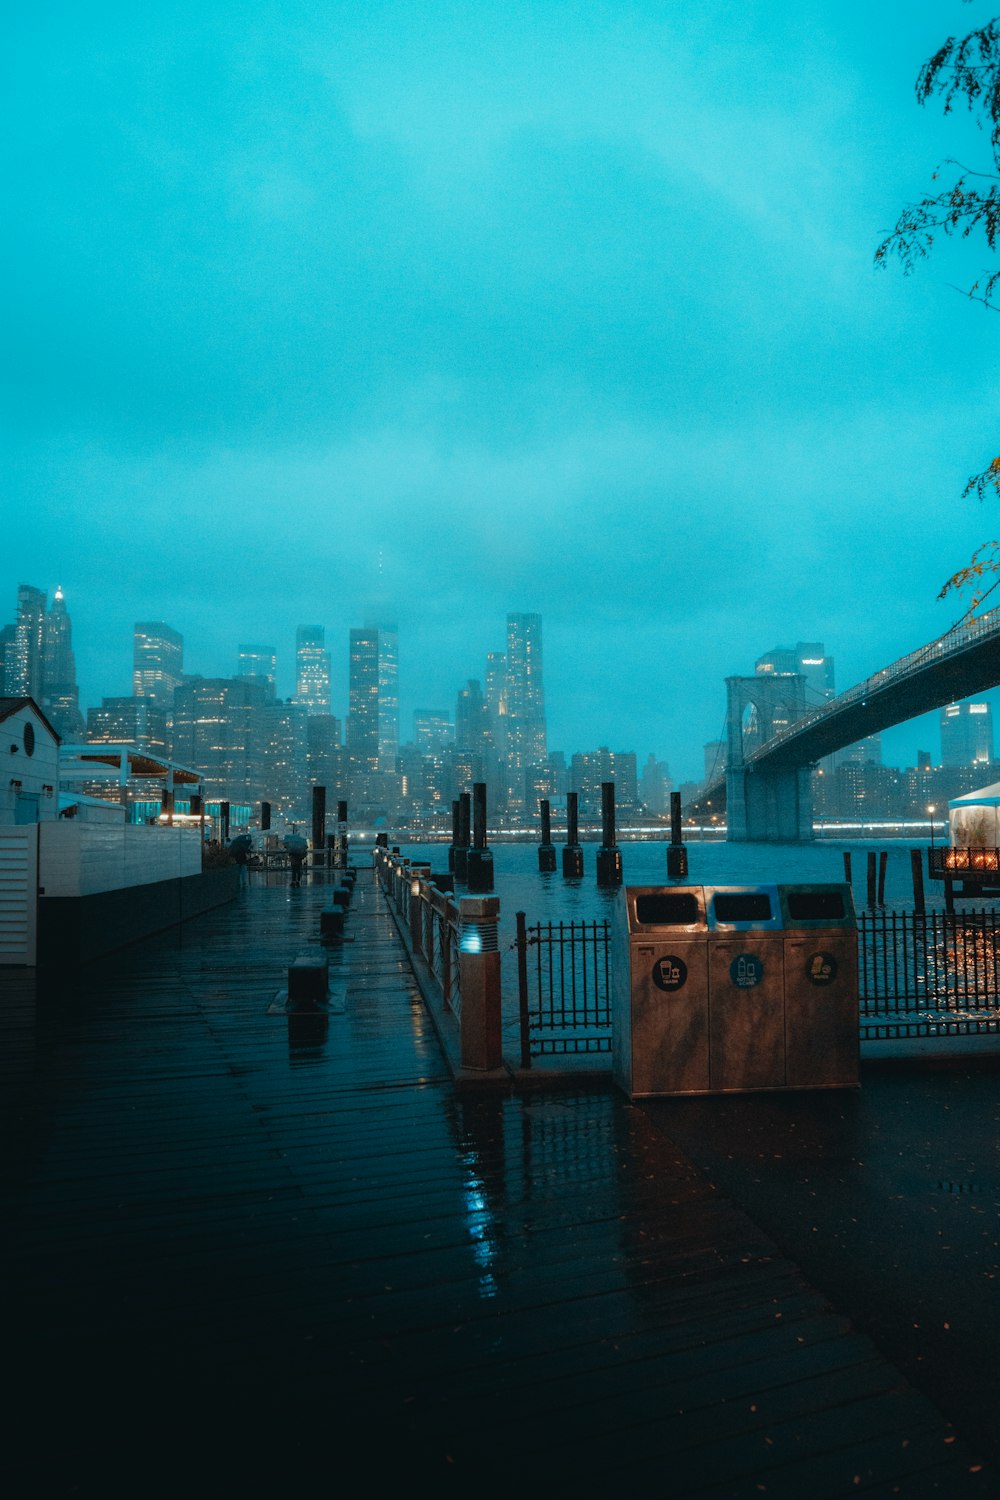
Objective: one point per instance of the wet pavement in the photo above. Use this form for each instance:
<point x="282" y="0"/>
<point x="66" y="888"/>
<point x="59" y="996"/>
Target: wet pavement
<point x="252" y="1251"/>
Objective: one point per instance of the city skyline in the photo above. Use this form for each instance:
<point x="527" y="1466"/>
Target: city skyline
<point x="510" y="714"/>
<point x="409" y="315"/>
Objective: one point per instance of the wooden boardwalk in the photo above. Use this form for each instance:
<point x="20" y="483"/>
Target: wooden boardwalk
<point x="253" y="1253"/>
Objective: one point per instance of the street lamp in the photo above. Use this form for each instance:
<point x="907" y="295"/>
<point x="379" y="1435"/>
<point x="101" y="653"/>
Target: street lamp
<point x="931" y="811"/>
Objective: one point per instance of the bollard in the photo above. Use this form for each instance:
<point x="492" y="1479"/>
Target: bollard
<point x="917" y="871"/>
<point x="331" y="923"/>
<point x="341" y="896"/>
<point x="572" y="858"/>
<point x="479" y="859"/>
<point x="479" y="983"/>
<point x="464" y="837"/>
<point x="609" y="856"/>
<point x="546" y="849"/>
<point x="308" y="981"/>
<point x="677" y="857"/>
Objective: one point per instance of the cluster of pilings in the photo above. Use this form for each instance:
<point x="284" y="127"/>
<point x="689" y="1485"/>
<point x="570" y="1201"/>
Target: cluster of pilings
<point x="609" y="858"/>
<point x="877" y="864"/>
<point x="470" y="861"/>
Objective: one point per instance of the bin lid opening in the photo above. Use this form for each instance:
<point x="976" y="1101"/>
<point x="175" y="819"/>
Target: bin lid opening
<point x="742" y="906"/>
<point x="816" y="906"/>
<point x="668" y="909"/>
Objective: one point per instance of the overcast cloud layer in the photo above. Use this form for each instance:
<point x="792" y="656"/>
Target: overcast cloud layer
<point x="450" y="308"/>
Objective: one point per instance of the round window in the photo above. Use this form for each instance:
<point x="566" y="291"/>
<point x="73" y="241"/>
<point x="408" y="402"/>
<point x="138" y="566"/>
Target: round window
<point x="29" y="739"/>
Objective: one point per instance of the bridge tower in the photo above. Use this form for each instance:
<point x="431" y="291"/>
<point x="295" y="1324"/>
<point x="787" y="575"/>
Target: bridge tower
<point x="765" y="805"/>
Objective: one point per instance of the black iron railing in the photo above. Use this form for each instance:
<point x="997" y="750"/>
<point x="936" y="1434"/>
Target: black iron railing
<point x="964" y="864"/>
<point x="564" y="988"/>
<point x="928" y="973"/>
<point x="919" y="974"/>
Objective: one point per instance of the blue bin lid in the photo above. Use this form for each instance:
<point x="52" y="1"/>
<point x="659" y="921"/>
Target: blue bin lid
<point x="743" y="908"/>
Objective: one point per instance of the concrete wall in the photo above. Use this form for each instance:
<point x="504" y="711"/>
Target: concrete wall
<point x="84" y="859"/>
<point x="76" y="929"/>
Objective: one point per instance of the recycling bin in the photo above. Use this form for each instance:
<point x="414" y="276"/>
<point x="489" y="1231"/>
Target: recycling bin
<point x="746" y="988"/>
<point x="821" y="986"/>
<point x="659" y="992"/>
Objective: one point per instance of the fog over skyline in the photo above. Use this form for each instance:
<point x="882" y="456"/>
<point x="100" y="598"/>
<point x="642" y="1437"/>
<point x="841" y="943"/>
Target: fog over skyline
<point x="440" y="311"/>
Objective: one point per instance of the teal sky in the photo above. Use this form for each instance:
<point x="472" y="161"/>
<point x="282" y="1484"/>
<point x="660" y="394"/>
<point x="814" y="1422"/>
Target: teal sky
<point x="566" y="307"/>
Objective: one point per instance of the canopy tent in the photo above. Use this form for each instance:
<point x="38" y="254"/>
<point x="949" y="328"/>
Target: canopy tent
<point x="974" y="820"/>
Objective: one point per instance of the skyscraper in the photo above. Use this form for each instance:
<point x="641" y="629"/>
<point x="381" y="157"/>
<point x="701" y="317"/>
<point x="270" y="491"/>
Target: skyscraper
<point x="262" y="662"/>
<point x="966" y="735"/>
<point x="29" y="645"/>
<point x="312" y="669"/>
<point x="60" y="694"/>
<point x="373" y="719"/>
<point x="526" y="749"/>
<point x="217" y="731"/>
<point x="157" y="662"/>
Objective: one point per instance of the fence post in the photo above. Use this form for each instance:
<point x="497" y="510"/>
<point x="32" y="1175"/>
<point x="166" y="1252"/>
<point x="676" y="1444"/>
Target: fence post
<point x="522" y="988"/>
<point x="479" y="982"/>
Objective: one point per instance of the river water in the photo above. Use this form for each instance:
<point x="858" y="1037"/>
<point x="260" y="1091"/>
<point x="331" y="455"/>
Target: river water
<point x="521" y="887"/>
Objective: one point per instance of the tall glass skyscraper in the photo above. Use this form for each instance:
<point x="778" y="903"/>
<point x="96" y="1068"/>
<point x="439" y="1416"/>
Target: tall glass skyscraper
<point x="157" y="662"/>
<point x="262" y="662"/>
<point x="526" y="746"/>
<point x="312" y="669"/>
<point x="26" y="667"/>
<point x="373" y="720"/>
<point x="60" y="694"/>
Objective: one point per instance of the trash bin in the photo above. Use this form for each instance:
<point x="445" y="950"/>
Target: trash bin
<point x="727" y="989"/>
<point x="821" y="986"/>
<point x="746" y="988"/>
<point x="659" y="1009"/>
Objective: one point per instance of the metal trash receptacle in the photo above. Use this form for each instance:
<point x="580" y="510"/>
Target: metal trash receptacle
<point x="746" y="985"/>
<point x="821" y="986"/>
<point x="659" y="991"/>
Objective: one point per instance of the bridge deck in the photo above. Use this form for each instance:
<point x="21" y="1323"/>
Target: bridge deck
<point x="250" y="1252"/>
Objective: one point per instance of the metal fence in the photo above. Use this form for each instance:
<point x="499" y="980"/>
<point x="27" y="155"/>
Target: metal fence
<point x="430" y="918"/>
<point x="564" y="988"/>
<point x="919" y="974"/>
<point x="928" y="973"/>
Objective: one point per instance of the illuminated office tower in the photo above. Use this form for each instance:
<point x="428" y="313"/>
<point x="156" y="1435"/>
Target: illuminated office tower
<point x="157" y="663"/>
<point x="60" y="694"/>
<point x="216" y="730"/>
<point x="282" y="763"/>
<point x="496" y="698"/>
<point x="966" y="735"/>
<point x="262" y="662"/>
<point x="312" y="669"/>
<point x="128" y="721"/>
<point x="28" y="659"/>
<point x="432" y="729"/>
<point x="8" y="638"/>
<point x="526" y="749"/>
<point x="325" y="755"/>
<point x="373" y="719"/>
